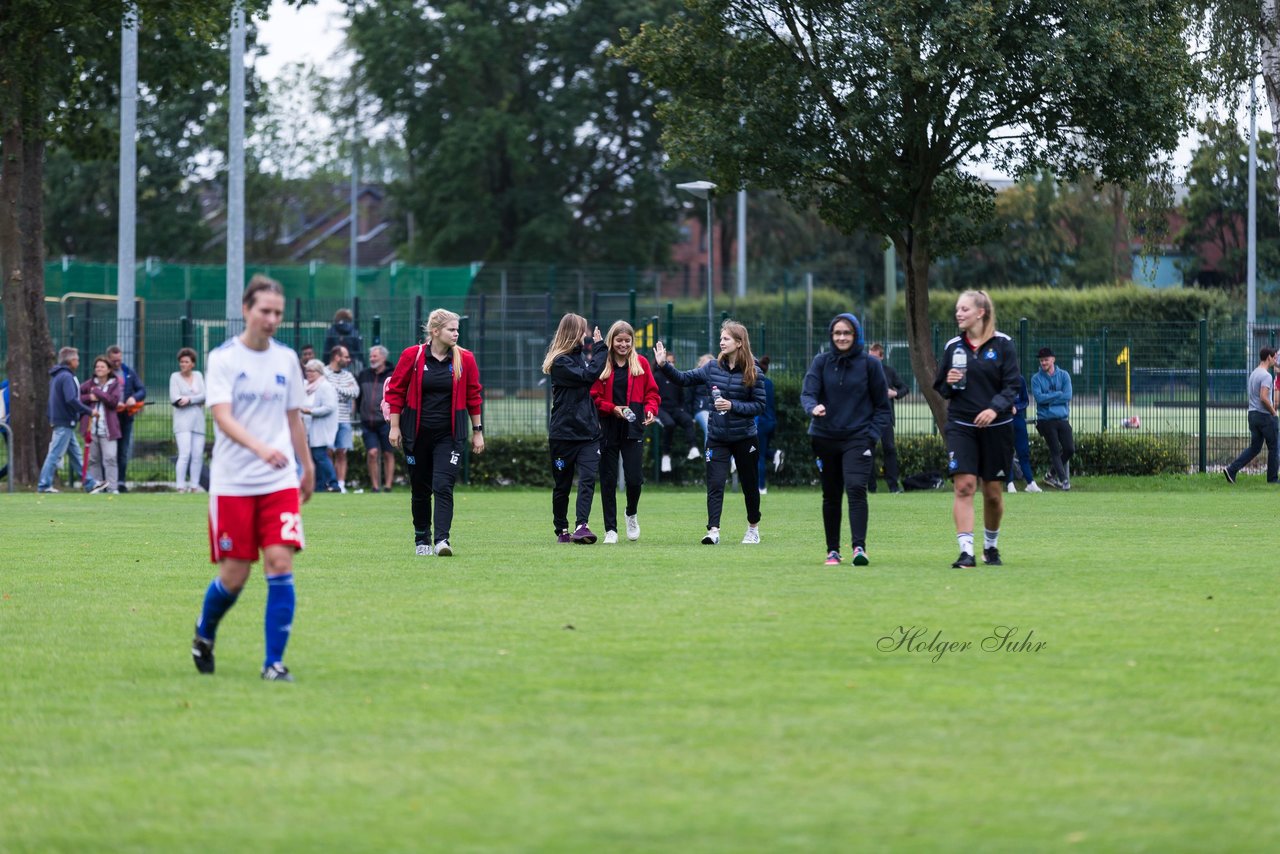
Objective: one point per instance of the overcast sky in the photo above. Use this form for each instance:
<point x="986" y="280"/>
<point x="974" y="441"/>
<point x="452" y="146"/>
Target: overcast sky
<point x="314" y="34"/>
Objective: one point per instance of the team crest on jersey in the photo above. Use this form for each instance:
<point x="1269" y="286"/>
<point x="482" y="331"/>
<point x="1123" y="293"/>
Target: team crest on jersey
<point x="409" y="459"/>
<point x="453" y="458"/>
<point x="559" y="463"/>
<point x="224" y="542"/>
<point x="280" y="380"/>
<point x="990" y="354"/>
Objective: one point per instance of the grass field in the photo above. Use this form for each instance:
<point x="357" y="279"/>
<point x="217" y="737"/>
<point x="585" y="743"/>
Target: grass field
<point x="657" y="695"/>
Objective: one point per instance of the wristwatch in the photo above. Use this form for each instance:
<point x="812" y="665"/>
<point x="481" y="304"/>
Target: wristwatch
<point x="477" y="428"/>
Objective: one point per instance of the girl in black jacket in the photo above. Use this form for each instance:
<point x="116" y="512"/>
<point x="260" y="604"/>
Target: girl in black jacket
<point x="738" y="395"/>
<point x="846" y="395"/>
<point x="574" y="362"/>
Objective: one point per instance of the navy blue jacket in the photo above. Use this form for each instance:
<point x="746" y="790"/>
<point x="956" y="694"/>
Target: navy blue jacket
<point x="65" y="408"/>
<point x="851" y="385"/>
<point x="573" y="413"/>
<point x="746" y="403"/>
<point x="130" y="386"/>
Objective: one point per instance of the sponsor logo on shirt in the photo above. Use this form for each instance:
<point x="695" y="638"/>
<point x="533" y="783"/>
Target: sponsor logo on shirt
<point x="280" y="379"/>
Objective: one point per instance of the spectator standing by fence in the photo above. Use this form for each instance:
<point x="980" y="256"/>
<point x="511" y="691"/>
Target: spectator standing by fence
<point x="65" y="412"/>
<point x="1021" y="442"/>
<point x="101" y="393"/>
<point x="672" y="413"/>
<point x="627" y="397"/>
<point x="343" y="332"/>
<point x="344" y="383"/>
<point x="766" y="424"/>
<point x="380" y="456"/>
<point x="1051" y="387"/>
<point x="320" y="417"/>
<point x="897" y="389"/>
<point x="1262" y="419"/>
<point x="186" y="393"/>
<point x="434" y="400"/>
<point x="132" y="395"/>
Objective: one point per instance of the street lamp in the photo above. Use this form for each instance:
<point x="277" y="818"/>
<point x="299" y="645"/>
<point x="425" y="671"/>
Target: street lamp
<point x="704" y="190"/>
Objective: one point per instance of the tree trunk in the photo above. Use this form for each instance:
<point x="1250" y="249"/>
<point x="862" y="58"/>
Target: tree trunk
<point x="913" y="249"/>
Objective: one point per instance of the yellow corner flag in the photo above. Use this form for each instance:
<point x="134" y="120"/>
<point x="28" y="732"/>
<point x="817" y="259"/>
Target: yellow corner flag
<point x="1123" y="358"/>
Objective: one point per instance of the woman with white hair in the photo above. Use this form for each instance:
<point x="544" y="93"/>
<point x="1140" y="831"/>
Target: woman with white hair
<point x="320" y="415"/>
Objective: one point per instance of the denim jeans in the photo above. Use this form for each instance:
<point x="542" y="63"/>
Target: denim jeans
<point x="64" y="442"/>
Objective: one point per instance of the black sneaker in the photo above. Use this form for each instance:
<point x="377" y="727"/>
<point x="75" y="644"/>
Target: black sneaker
<point x="991" y="557"/>
<point x="277" y="673"/>
<point x="202" y="653"/>
<point x="1231" y="478"/>
<point x="965" y="561"/>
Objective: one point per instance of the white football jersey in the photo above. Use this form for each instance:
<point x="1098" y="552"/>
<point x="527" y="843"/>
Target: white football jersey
<point x="261" y="386"/>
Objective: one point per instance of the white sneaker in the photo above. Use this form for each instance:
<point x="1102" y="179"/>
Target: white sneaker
<point x="694" y="453"/>
<point x="733" y="465"/>
<point x="633" y="528"/>
<point x="752" y="537"/>
<point x="666" y="462"/>
<point x="1033" y="487"/>
<point x="1011" y="487"/>
<point x="712" y="537"/>
<point x="778" y="457"/>
<point x="610" y="537"/>
<point x="342" y="487"/>
<point x="422" y="550"/>
<point x="764" y="490"/>
<point x="443" y="549"/>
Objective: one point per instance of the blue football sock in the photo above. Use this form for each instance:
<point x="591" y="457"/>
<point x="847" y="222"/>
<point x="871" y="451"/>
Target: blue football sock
<point x="278" y="620"/>
<point x="217" y="601"/>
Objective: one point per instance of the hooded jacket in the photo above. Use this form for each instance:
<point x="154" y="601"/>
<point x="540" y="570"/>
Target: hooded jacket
<point x="573" y="412"/>
<point x="344" y="332"/>
<point x="745" y="402"/>
<point x="65" y="408"/>
<point x="852" y="387"/>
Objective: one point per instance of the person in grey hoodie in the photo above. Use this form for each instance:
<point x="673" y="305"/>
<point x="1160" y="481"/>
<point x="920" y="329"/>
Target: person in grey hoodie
<point x="65" y="412"/>
<point x="847" y="397"/>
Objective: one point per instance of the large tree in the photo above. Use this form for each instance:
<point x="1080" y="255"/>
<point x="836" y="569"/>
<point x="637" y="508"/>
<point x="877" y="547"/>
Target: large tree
<point x="528" y="141"/>
<point x="57" y="56"/>
<point x="874" y="107"/>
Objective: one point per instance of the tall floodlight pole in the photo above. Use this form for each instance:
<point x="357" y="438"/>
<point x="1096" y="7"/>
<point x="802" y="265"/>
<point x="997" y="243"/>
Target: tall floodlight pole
<point x="1251" y="267"/>
<point x="704" y="190"/>
<point x="235" y="176"/>
<point x="126" y="262"/>
<point x="742" y="243"/>
<point x="355" y="214"/>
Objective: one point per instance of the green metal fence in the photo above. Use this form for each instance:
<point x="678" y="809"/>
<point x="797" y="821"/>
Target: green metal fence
<point x="1181" y="381"/>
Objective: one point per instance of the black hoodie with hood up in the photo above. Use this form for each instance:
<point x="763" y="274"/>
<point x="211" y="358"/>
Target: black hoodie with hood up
<point x="852" y="387"/>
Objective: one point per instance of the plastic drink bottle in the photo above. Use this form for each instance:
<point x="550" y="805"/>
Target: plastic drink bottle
<point x="960" y="361"/>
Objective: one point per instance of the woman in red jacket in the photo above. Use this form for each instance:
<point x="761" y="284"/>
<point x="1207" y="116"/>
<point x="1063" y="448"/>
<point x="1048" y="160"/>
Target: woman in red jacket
<point x="435" y="392"/>
<point x="627" y="397"/>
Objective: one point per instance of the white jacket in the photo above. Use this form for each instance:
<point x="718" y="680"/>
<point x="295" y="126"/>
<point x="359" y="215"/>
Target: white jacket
<point x="322" y="423"/>
<point x="189" y="418"/>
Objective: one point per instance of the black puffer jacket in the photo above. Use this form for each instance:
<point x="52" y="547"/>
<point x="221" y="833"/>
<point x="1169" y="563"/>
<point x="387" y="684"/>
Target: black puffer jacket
<point x="740" y="421"/>
<point x="573" y="412"/>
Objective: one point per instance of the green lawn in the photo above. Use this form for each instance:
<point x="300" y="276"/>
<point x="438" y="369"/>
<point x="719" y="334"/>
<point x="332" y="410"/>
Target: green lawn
<point x="658" y="695"/>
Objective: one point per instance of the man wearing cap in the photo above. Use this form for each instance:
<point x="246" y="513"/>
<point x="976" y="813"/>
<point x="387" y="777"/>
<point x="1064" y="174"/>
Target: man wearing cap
<point x="1051" y="388"/>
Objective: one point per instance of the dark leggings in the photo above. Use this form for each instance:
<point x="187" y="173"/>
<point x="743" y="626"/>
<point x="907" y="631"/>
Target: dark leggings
<point x="845" y="467"/>
<point x="433" y="470"/>
<point x="632" y="451"/>
<point x="747" y="453"/>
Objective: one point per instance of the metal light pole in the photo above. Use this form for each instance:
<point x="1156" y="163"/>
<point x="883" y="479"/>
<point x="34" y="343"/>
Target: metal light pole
<point x="126" y="320"/>
<point x="704" y="190"/>
<point x="235" y="176"/>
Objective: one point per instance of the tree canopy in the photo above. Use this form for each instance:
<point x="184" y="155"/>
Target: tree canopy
<point x="874" y="107"/>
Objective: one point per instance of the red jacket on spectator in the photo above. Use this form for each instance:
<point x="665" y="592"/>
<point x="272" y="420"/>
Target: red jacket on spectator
<point x="642" y="390"/>
<point x="405" y="388"/>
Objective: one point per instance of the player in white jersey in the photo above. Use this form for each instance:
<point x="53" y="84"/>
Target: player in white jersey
<point x="256" y="396"/>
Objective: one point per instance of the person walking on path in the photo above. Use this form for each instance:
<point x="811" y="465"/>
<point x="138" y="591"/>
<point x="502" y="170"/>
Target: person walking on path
<point x="1262" y="419"/>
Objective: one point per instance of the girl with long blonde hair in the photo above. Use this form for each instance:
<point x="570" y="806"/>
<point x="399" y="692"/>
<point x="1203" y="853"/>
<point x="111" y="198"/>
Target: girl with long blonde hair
<point x="434" y="396"/>
<point x="627" y="398"/>
<point x="574" y="362"/>
<point x="738" y="397"/>
<point x="978" y="374"/>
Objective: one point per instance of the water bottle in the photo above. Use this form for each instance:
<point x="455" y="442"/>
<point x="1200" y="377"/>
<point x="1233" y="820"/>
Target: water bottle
<point x="960" y="361"/>
<point x="629" y="414"/>
<point x="715" y="396"/>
